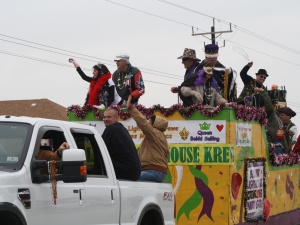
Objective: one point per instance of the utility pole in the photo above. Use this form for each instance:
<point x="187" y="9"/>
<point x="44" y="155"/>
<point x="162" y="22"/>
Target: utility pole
<point x="212" y="33"/>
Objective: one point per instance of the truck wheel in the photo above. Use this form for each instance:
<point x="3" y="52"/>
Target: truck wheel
<point x="152" y="217"/>
<point x="8" y="218"/>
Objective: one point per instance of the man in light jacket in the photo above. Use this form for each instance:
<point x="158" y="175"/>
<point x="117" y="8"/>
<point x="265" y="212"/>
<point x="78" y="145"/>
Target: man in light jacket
<point x="154" y="149"/>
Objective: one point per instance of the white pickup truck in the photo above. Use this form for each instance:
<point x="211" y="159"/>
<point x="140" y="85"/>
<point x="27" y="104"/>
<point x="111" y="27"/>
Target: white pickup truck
<point x="87" y="189"/>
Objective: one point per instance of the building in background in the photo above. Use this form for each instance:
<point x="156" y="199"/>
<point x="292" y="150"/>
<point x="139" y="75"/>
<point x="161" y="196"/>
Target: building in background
<point x="43" y="108"/>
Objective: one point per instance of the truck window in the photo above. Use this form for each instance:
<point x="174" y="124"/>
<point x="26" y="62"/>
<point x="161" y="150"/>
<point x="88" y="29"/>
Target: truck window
<point x="94" y="159"/>
<point x="14" y="141"/>
<point x="55" y="136"/>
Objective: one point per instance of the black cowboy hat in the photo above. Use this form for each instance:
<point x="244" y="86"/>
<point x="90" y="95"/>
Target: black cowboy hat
<point x="262" y="72"/>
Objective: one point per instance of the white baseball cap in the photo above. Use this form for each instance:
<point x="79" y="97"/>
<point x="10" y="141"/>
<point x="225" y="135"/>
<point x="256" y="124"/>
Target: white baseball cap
<point x="122" y="56"/>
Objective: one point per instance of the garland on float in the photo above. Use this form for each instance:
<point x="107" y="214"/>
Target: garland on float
<point x="247" y="113"/>
<point x="283" y="159"/>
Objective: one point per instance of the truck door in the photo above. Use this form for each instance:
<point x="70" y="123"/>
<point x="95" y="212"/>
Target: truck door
<point x="102" y="197"/>
<point x="69" y="207"/>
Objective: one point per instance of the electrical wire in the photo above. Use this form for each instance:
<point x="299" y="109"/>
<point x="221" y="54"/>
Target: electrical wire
<point x="236" y="26"/>
<point x="220" y="20"/>
<point x="61" y="64"/>
<point x="76" y="53"/>
<point x="151" y="14"/>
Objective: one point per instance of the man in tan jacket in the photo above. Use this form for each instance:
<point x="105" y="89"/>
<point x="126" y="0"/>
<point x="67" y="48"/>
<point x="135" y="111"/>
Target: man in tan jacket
<point x="154" y="149"/>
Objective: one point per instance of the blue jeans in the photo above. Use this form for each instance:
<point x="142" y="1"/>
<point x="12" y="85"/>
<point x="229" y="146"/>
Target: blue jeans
<point x="153" y="175"/>
<point x="278" y="149"/>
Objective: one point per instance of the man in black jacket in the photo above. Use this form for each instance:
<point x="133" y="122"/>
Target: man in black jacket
<point x="121" y="148"/>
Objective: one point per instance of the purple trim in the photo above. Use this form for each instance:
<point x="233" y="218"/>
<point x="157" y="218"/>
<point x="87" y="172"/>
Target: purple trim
<point x="289" y="218"/>
<point x="200" y="80"/>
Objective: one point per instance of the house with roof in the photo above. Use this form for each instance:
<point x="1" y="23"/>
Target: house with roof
<point x="42" y="108"/>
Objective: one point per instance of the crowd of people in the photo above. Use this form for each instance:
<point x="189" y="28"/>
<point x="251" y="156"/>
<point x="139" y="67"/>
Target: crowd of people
<point x="211" y="83"/>
<point x="207" y="82"/>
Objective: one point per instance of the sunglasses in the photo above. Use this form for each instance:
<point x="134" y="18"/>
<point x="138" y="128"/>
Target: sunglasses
<point x="185" y="59"/>
<point x="262" y="76"/>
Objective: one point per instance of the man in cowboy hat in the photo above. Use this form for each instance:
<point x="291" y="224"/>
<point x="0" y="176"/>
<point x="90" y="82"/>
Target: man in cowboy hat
<point x="287" y="133"/>
<point x="225" y="77"/>
<point x="252" y="87"/>
<point x="191" y="64"/>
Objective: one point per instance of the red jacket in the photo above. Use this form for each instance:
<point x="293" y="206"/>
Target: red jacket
<point x="95" y="87"/>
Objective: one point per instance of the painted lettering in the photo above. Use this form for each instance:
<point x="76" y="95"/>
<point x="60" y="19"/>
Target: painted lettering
<point x="207" y="154"/>
<point x="217" y="154"/>
<point x="133" y="129"/>
<point x="204" y="132"/>
<point x="225" y="154"/>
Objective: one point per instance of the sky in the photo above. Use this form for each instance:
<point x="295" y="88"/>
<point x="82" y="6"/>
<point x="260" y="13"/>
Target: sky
<point x="38" y="37"/>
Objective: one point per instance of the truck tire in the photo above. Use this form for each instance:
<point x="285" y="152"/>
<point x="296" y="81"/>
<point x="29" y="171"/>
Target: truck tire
<point x="10" y="215"/>
<point x="151" y="215"/>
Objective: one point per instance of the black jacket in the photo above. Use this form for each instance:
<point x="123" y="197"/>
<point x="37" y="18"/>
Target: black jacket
<point x="122" y="151"/>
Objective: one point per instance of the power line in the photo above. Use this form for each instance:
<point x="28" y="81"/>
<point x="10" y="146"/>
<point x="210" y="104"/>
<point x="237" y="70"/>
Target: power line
<point x="295" y="64"/>
<point x="43" y="49"/>
<point x="151" y="14"/>
<point x="240" y="28"/>
<point x="60" y="64"/>
<point x="236" y="26"/>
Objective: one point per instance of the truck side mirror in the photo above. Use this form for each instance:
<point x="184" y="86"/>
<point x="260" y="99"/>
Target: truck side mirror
<point x="71" y="169"/>
<point x="74" y="166"/>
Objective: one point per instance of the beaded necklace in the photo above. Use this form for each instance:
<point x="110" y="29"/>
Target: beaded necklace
<point x="207" y="92"/>
<point x="121" y="83"/>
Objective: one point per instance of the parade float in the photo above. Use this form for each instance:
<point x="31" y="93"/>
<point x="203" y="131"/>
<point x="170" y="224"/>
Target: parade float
<point x="221" y="166"/>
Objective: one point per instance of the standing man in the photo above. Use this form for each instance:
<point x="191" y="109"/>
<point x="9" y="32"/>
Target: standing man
<point x="252" y="87"/>
<point x="191" y="64"/>
<point x="121" y="148"/>
<point x="128" y="79"/>
<point x="225" y="77"/>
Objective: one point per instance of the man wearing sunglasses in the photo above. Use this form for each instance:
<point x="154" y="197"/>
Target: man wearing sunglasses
<point x="251" y="93"/>
<point x="191" y="64"/>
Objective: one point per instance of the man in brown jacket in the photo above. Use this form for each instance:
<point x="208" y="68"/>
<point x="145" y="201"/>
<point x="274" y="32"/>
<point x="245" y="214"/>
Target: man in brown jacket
<point x="48" y="154"/>
<point x="154" y="149"/>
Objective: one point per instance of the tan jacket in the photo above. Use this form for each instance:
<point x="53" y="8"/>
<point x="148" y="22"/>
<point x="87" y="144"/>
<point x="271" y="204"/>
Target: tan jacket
<point x="215" y="100"/>
<point x="47" y="155"/>
<point x="154" y="149"/>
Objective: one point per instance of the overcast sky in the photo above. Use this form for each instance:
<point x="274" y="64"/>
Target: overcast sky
<point x="38" y="37"/>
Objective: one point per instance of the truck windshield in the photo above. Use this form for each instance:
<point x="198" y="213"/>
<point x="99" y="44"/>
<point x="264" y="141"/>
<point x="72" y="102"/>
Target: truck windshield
<point x="14" y="141"/>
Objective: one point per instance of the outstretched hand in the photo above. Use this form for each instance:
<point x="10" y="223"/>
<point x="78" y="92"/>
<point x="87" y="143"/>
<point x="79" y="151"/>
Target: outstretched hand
<point x="250" y="64"/>
<point x="63" y="147"/>
<point x="76" y="65"/>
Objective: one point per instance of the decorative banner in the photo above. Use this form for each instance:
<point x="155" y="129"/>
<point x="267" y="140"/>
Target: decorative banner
<point x="178" y="132"/>
<point x="244" y="134"/>
<point x="201" y="154"/>
<point x="255" y="189"/>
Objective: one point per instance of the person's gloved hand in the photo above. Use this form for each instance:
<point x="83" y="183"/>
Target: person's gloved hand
<point x="197" y="95"/>
<point x="76" y="65"/>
